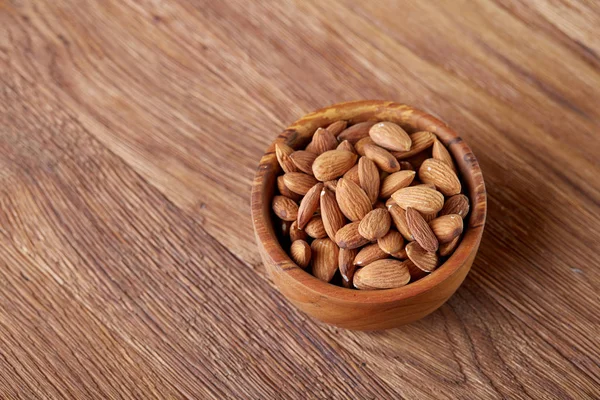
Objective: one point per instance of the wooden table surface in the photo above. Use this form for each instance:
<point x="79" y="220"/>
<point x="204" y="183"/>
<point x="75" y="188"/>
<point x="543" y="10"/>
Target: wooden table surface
<point x="129" y="135"/>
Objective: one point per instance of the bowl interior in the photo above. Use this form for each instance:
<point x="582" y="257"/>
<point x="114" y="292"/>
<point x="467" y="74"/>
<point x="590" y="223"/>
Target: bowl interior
<point x="412" y="120"/>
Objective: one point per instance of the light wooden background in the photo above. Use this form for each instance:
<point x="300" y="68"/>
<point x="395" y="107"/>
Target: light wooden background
<point x="129" y="134"/>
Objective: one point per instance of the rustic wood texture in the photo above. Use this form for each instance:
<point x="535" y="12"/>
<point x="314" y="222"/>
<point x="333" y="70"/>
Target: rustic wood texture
<point x="129" y="135"/>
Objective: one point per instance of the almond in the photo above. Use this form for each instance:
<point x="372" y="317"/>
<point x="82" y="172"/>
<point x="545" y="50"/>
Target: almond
<point x="332" y="216"/>
<point x="391" y="243"/>
<point x="447" y="227"/>
<point x="299" y="182"/>
<point x="309" y="204"/>
<point x="401" y="254"/>
<point x="368" y="254"/>
<point x="315" y="228"/>
<point x="399" y="218"/>
<point x="352" y="175"/>
<point x="333" y="164"/>
<point x="346" y="145"/>
<point x="324" y="258"/>
<point x="303" y="160"/>
<point x="353" y="201"/>
<point x="457" y="204"/>
<point x="381" y="157"/>
<point x="427" y="185"/>
<point x="395" y="181"/>
<point x="337" y="127"/>
<point x="285" y="191"/>
<point x="406" y="166"/>
<point x="390" y="136"/>
<point x="322" y="141"/>
<point x="421" y="230"/>
<point x="284" y="227"/>
<point x="416" y="273"/>
<point x="440" y="152"/>
<point x="428" y="217"/>
<point x="390" y="202"/>
<point x="348" y="237"/>
<point x="300" y="252"/>
<point x="448" y="248"/>
<point x="420" y="141"/>
<point x="285" y="208"/>
<point x="441" y="175"/>
<point x="368" y="177"/>
<point x="331" y="185"/>
<point x="360" y="145"/>
<point x="421" y="198"/>
<point x="283" y="152"/>
<point x="422" y="258"/>
<point x="297" y="234"/>
<point x="346" y="264"/>
<point x="356" y="132"/>
<point x="382" y="274"/>
<point x="375" y="224"/>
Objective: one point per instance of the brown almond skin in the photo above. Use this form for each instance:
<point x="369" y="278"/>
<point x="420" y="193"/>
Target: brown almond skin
<point x="390" y="136"/>
<point x="337" y="127"/>
<point x="352" y="175"/>
<point x="333" y="164"/>
<point x="348" y="237"/>
<point x="448" y="248"/>
<point x="285" y="191"/>
<point x="324" y="258"/>
<point x="283" y="152"/>
<point x="355" y="132"/>
<point x="285" y="208"/>
<point x="309" y="204"/>
<point x="300" y="252"/>
<point x="352" y="200"/>
<point x="297" y="234"/>
<point x="457" y="204"/>
<point x="360" y="145"/>
<point x="381" y="157"/>
<point x="399" y="218"/>
<point x="368" y="254"/>
<point x="406" y="166"/>
<point x="368" y="178"/>
<point x="425" y="260"/>
<point x="303" y="160"/>
<point x="299" y="182"/>
<point x="421" y="230"/>
<point x="416" y="273"/>
<point x="322" y="141"/>
<point x="401" y="254"/>
<point x="347" y="146"/>
<point x="441" y="175"/>
<point x="346" y="264"/>
<point x="420" y="141"/>
<point x="391" y="243"/>
<point x="395" y="181"/>
<point x="421" y="198"/>
<point x="382" y="274"/>
<point x="440" y="152"/>
<point x="447" y="227"/>
<point x="315" y="228"/>
<point x="375" y="224"/>
<point x="332" y="216"/>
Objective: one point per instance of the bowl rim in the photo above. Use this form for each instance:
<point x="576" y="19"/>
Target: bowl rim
<point x="294" y="135"/>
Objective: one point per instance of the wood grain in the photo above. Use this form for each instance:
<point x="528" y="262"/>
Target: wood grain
<point x="129" y="135"/>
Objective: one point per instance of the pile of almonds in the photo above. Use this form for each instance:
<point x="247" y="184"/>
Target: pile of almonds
<point x="353" y="202"/>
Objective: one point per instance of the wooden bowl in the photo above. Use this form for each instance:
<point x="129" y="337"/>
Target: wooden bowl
<point x="367" y="309"/>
